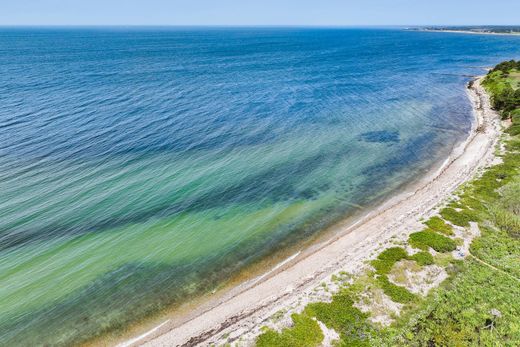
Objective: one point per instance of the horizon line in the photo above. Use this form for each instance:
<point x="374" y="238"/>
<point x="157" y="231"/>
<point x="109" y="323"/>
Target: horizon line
<point x="254" y="25"/>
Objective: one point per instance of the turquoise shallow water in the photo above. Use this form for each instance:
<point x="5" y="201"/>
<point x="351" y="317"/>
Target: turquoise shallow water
<point x="140" y="167"/>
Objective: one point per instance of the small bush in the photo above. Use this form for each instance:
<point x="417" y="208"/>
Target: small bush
<point x="515" y="117"/>
<point x="428" y="238"/>
<point x="436" y="223"/>
<point x="461" y="218"/>
<point x="422" y="258"/>
<point x="348" y="321"/>
<point x="386" y="259"/>
<point x="304" y="333"/>
<point x="513" y="130"/>
<point x="471" y="202"/>
<point x="395" y="292"/>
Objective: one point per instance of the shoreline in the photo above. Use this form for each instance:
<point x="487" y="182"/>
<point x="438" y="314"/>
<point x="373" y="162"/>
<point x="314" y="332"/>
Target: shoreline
<point x="248" y="304"/>
<point x="467" y="32"/>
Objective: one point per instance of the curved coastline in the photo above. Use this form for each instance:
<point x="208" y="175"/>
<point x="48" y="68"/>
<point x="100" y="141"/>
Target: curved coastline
<point x="246" y="305"/>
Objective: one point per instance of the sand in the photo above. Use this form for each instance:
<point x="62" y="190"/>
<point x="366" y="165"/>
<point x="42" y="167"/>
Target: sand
<point x="242" y="310"/>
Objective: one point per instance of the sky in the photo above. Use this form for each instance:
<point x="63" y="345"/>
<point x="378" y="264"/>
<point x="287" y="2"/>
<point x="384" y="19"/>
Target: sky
<point x="259" y="12"/>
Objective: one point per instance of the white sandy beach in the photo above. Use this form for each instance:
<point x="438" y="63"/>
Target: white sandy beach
<point x="241" y="310"/>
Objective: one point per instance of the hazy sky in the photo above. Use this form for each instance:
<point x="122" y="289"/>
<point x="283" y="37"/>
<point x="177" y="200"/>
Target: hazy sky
<point x="258" y="12"/>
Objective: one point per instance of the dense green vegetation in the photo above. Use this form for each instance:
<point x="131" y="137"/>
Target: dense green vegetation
<point x="423" y="258"/>
<point x="396" y="293"/>
<point x="479" y="303"/>
<point x="349" y="322"/>
<point x="305" y="332"/>
<point x="428" y="238"/>
<point x="478" y="306"/>
<point x="340" y="314"/>
<point x="386" y="260"/>
<point x="460" y="218"/>
<point x="502" y="83"/>
<point x="436" y="223"/>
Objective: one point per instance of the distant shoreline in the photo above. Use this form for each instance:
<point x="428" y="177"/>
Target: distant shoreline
<point x="452" y="31"/>
<point x="353" y="245"/>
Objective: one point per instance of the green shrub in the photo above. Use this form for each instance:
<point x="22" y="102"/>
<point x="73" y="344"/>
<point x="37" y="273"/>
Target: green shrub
<point x="304" y="333"/>
<point x="506" y="221"/>
<point x="348" y="321"/>
<point x="515" y="117"/>
<point x="485" y="187"/>
<point x="505" y="67"/>
<point x="386" y="259"/>
<point x="461" y="313"/>
<point x="461" y="218"/>
<point x="471" y="215"/>
<point x="513" y="144"/>
<point x="428" y="238"/>
<point x="498" y="248"/>
<point x="436" y="223"/>
<point x="395" y="292"/>
<point x="513" y="130"/>
<point x="468" y="201"/>
<point x="422" y="258"/>
<point x="510" y="197"/>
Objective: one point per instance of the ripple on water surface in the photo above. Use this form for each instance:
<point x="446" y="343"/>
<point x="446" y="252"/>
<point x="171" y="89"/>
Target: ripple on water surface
<point x="141" y="167"/>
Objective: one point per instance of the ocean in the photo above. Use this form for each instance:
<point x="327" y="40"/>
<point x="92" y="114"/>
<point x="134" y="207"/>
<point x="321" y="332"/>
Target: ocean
<point x="142" y="167"/>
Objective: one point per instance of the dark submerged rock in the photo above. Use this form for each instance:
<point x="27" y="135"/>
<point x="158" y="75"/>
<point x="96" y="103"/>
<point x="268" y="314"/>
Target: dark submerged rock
<point x="383" y="136"/>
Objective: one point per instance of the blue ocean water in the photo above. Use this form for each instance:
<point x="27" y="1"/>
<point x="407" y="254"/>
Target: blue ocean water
<point x="140" y="167"/>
